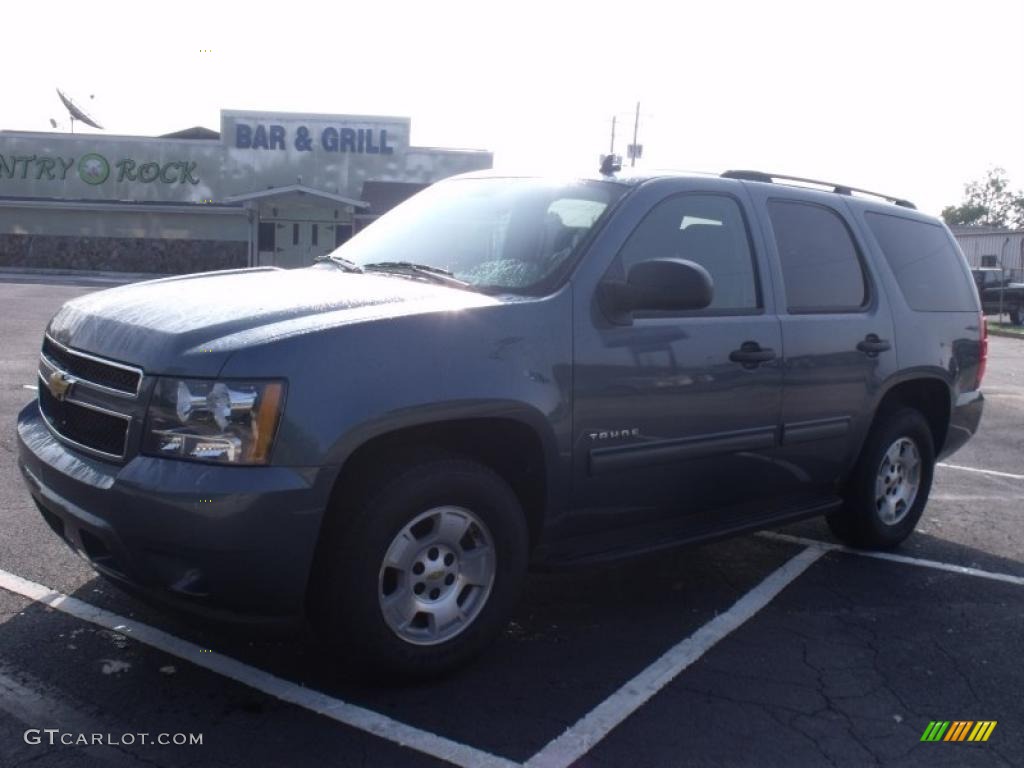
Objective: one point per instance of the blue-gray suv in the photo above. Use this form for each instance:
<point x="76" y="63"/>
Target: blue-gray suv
<point x="505" y="371"/>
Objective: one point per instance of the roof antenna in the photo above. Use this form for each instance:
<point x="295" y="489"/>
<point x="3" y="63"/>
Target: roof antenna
<point x="611" y="164"/>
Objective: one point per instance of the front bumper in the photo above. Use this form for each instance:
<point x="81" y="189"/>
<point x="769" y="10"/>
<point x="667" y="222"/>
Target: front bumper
<point x="227" y="543"/>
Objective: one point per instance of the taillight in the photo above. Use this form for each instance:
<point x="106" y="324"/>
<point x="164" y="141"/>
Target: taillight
<point x="983" y="352"/>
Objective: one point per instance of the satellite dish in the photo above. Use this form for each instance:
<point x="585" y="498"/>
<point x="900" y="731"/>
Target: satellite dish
<point x="76" y="112"/>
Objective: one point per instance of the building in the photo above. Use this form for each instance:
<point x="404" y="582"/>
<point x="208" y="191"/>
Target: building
<point x="268" y="189"/>
<point x="993" y="247"/>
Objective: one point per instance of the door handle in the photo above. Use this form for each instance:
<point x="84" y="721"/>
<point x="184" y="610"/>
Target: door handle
<point x="872" y="345"/>
<point x="751" y="354"/>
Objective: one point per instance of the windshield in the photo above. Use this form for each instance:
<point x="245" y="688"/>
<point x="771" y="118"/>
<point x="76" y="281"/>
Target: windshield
<point x="494" y="234"/>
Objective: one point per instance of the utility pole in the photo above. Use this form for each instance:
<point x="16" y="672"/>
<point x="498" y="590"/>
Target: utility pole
<point x="636" y="128"/>
<point x="1002" y="276"/>
<point x="611" y="149"/>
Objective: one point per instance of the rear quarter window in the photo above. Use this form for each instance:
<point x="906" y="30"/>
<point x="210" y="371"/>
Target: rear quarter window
<point x="928" y="268"/>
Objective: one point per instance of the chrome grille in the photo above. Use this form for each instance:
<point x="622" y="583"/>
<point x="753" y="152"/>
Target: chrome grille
<point x="93" y="371"/>
<point x="86" y="426"/>
<point x="76" y="407"/>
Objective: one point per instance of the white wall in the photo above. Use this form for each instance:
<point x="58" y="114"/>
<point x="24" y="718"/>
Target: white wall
<point x="1007" y="248"/>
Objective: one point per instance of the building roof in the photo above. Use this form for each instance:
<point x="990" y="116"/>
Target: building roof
<point x="149" y="206"/>
<point x="979" y="229"/>
<point x="382" y="196"/>
<point x="195" y="132"/>
<point x="295" y="189"/>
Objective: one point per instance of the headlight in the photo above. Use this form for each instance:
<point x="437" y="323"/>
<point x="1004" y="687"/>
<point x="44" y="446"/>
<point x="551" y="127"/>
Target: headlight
<point x="229" y="422"/>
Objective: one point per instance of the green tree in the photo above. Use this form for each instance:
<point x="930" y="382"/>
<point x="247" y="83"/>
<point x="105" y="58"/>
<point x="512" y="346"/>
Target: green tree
<point x="989" y="202"/>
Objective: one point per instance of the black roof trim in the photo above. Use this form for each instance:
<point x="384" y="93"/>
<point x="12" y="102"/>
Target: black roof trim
<point x="195" y="132"/>
<point x="839" y="189"/>
<point x="114" y="201"/>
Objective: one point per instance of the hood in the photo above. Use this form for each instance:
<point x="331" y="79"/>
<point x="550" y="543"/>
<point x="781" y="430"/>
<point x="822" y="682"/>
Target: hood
<point x="190" y="324"/>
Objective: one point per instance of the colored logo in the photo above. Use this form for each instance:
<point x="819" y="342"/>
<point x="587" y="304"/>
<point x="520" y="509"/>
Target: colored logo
<point x="958" y="730"/>
<point x="93" y="168"/>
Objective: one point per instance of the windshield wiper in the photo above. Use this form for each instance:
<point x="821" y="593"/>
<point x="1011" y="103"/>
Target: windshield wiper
<point x="345" y="264"/>
<point x="435" y="274"/>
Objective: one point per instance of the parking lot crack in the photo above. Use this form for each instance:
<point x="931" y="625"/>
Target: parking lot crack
<point x="872" y="644"/>
<point x="999" y="753"/>
<point x="30" y="760"/>
<point x="763" y="705"/>
<point x="775" y="712"/>
<point x="830" y="706"/>
<point x="954" y="663"/>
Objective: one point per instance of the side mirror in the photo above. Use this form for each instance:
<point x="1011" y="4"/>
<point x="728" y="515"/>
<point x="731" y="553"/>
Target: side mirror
<point x="658" y="285"/>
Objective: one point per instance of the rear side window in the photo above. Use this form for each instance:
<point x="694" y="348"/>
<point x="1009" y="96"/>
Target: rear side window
<point x="927" y="266"/>
<point x="821" y="268"/>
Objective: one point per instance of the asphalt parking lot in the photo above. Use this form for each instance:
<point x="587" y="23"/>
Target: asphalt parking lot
<point x="777" y="649"/>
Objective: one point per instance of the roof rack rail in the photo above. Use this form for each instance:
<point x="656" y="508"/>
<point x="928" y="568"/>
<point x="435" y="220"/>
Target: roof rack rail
<point x="839" y="189"/>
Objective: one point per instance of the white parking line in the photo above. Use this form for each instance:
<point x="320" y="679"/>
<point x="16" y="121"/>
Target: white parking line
<point x="828" y="546"/>
<point x="561" y="752"/>
<point x="962" y="497"/>
<point x="33" y="387"/>
<point x="992" y="472"/>
<point x="336" y="709"/>
<point x="587" y="732"/>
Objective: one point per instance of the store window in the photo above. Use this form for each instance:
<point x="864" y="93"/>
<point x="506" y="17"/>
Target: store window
<point x="265" y="240"/>
<point x="342" y="232"/>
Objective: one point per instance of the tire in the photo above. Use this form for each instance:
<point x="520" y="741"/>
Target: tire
<point x="414" y="518"/>
<point x="866" y="522"/>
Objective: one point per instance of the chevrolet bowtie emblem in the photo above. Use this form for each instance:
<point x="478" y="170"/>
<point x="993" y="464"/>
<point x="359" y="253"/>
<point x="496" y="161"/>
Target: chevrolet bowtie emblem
<point x="59" y="384"/>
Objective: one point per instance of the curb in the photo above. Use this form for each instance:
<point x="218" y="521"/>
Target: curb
<point x="1005" y="334"/>
<point x="83" y="275"/>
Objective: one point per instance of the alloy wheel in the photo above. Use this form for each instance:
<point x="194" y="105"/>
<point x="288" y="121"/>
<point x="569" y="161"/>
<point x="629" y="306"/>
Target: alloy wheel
<point x="436" y="575"/>
<point x="898" y="480"/>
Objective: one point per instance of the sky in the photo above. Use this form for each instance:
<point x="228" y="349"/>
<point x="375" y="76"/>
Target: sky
<point x="908" y="98"/>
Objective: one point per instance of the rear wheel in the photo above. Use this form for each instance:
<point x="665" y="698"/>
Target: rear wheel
<point x="422" y="570"/>
<point x="889" y="487"/>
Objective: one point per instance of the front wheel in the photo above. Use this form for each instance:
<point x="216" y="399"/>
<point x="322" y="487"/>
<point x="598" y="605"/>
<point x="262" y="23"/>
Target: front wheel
<point x="889" y="487"/>
<point x="423" y="570"/>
